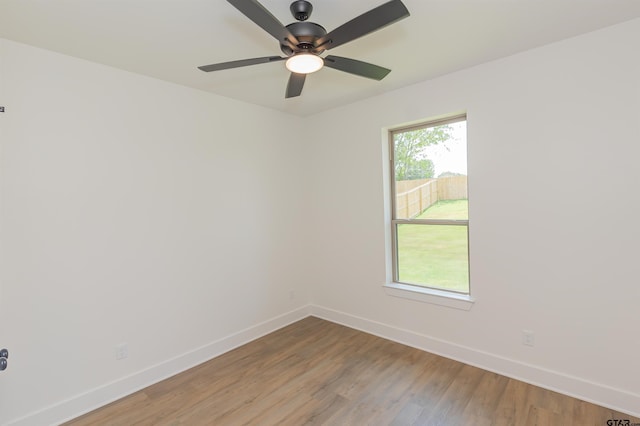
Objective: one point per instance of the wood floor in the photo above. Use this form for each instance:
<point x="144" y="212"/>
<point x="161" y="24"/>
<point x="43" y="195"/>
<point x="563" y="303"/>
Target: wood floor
<point x="317" y="372"/>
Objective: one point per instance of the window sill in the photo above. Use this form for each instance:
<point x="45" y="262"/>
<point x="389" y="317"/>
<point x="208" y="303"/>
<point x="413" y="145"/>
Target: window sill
<point x="430" y="295"/>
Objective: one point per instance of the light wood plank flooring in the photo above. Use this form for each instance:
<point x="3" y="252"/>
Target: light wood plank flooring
<point x="317" y="372"/>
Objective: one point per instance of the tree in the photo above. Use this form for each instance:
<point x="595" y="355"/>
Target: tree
<point x="410" y="159"/>
<point x="418" y="169"/>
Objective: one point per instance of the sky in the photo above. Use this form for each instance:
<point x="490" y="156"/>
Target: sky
<point x="451" y="156"/>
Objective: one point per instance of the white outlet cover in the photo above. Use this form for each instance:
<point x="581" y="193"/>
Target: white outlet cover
<point x="122" y="351"/>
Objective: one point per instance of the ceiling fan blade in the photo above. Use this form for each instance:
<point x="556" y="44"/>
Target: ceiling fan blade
<point x="265" y="20"/>
<point x="364" y="24"/>
<point x="295" y="85"/>
<point x="363" y="69"/>
<point x="240" y="63"/>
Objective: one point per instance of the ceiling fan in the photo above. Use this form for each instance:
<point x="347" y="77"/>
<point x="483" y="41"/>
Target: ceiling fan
<point x="302" y="42"/>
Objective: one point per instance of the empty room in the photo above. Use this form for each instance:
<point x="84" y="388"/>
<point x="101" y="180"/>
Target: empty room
<point x="277" y="212"/>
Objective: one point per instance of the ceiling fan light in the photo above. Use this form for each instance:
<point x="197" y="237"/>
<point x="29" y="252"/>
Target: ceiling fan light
<point x="304" y="63"/>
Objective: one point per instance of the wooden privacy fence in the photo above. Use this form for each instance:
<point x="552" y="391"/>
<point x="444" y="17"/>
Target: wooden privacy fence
<point x="415" y="196"/>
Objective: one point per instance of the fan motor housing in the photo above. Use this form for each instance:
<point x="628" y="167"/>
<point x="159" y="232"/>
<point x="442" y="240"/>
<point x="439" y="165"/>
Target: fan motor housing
<point x="306" y="33"/>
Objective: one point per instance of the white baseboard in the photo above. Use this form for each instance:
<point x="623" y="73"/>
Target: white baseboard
<point x="97" y="397"/>
<point x="596" y="393"/>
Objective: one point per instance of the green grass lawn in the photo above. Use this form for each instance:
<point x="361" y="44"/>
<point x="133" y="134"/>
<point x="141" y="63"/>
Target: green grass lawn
<point x="436" y="255"/>
<point x="447" y="209"/>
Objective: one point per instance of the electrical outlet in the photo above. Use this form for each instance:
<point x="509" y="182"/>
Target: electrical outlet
<point x="292" y="294"/>
<point x="528" y="338"/>
<point x="122" y="351"/>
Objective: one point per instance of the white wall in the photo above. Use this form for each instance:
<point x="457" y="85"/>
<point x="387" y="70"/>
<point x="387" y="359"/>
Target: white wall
<point x="554" y="142"/>
<point x="134" y="211"/>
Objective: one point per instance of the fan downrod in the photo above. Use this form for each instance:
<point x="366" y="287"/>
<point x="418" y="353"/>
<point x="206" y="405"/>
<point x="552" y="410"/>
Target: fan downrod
<point x="301" y="9"/>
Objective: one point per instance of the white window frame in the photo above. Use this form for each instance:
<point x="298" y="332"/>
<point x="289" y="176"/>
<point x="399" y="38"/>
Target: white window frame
<point x="392" y="286"/>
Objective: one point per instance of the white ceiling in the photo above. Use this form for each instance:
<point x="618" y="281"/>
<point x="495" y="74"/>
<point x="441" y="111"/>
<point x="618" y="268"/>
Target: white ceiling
<point x="168" y="39"/>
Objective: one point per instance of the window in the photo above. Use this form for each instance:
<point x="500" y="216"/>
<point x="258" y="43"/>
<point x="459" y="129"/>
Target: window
<point x="430" y="219"/>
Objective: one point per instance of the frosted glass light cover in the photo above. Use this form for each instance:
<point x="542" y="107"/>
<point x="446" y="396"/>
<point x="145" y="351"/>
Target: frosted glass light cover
<point x="304" y="63"/>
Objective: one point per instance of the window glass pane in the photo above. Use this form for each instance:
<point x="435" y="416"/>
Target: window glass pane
<point x="447" y="210"/>
<point x="433" y="256"/>
<point x="430" y="166"/>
